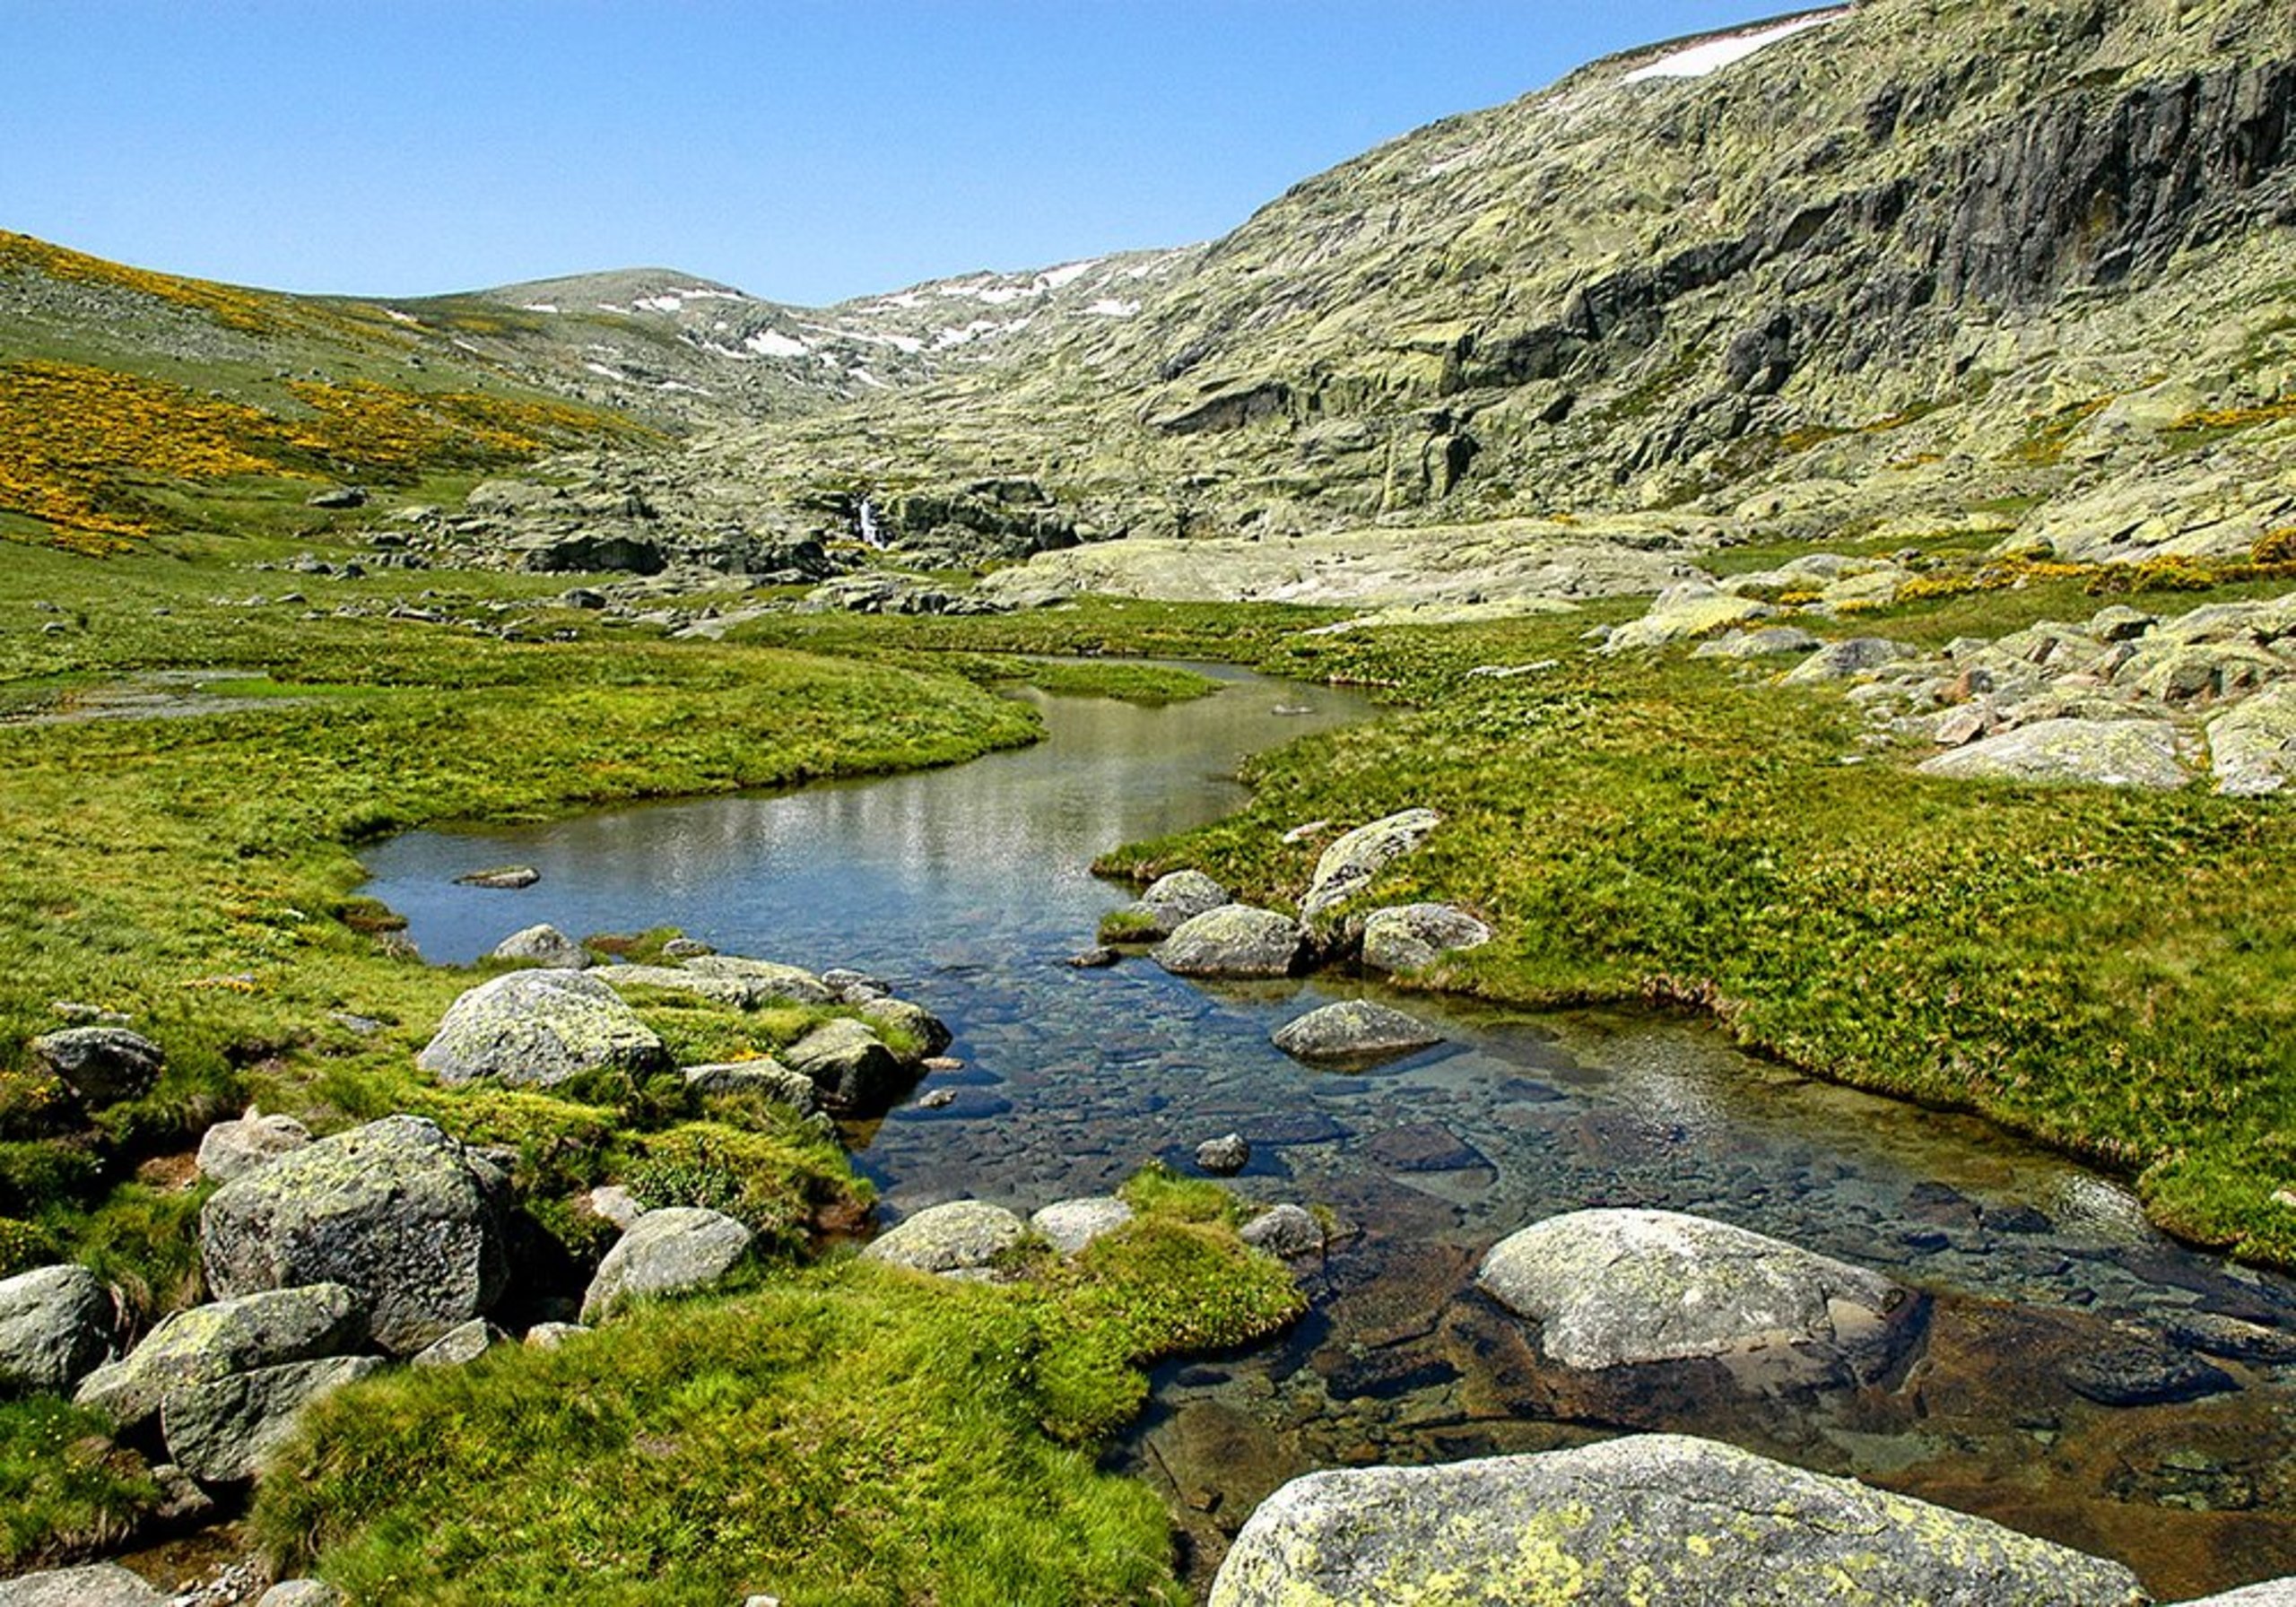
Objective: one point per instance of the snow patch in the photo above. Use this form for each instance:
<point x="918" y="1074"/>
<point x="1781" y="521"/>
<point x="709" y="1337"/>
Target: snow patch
<point x="537" y="307"/>
<point x="397" y="316"/>
<point x="1053" y="279"/>
<point x="1710" y="56"/>
<point x="772" y="343"/>
<point x="604" y="372"/>
<point x="866" y="378"/>
<point x="1109" y="307"/>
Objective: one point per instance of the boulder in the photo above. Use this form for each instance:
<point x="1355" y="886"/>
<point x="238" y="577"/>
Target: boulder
<point x="1234" y="941"/>
<point x="614" y="1203"/>
<point x="1286" y="1231"/>
<point x="1757" y="644"/>
<point x="1225" y="1156"/>
<point x="1403" y="937"/>
<point x="55" y="1325"/>
<point x="549" y="1336"/>
<point x="666" y="1252"/>
<point x="2103" y="753"/>
<point x="766" y="1077"/>
<point x="534" y="1028"/>
<point x="963" y="1236"/>
<point x="99" y="1585"/>
<point x="1682" y="612"/>
<point x="395" y="1211"/>
<point x="1069" y="1225"/>
<point x="2252" y="745"/>
<point x="102" y="1065"/>
<point x="457" y="1347"/>
<point x="1840" y="661"/>
<point x="302" y="1593"/>
<point x="229" y="1149"/>
<point x="212" y="1341"/>
<point x="1173" y="899"/>
<point x="500" y="878"/>
<point x="849" y="987"/>
<point x="927" y="1033"/>
<point x="849" y="1064"/>
<point x="1615" y="1288"/>
<point x="2270" y="1593"/>
<point x="543" y="945"/>
<point x="220" y="1431"/>
<point x="1658" y="1517"/>
<point x="1354" y="857"/>
<point x="793" y="983"/>
<point x="1353" y="1030"/>
<point x="742" y="992"/>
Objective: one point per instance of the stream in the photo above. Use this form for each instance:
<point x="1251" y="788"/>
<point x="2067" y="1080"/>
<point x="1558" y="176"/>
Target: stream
<point x="2063" y="1328"/>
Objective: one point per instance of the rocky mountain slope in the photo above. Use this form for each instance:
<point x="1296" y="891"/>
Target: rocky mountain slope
<point x="1912" y="265"/>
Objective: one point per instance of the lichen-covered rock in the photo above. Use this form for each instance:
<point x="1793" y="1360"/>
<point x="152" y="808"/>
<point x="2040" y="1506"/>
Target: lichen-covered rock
<point x="1615" y="1288"/>
<point x="229" y="1149"/>
<point x="1069" y="1225"/>
<point x="923" y="1034"/>
<point x="549" y="1336"/>
<point x="1403" y="937"/>
<point x="765" y="1076"/>
<point x="220" y="1431"/>
<point x="1682" y="612"/>
<point x="98" y="1585"/>
<point x="1234" y="941"/>
<point x="1840" y="661"/>
<point x="1288" y="1231"/>
<point x="1354" y="857"/>
<point x="302" y="1593"/>
<point x="2101" y="752"/>
<point x="742" y="992"/>
<point x="772" y="980"/>
<point x="1172" y="899"/>
<point x="1655" y="1517"/>
<point x="1353" y="1029"/>
<point x="55" y="1325"/>
<point x="666" y="1252"/>
<point x="543" y="945"/>
<point x="1757" y="644"/>
<point x="457" y="1347"/>
<point x="212" y="1342"/>
<point x="850" y="1064"/>
<point x="2269" y="1592"/>
<point x="2252" y="745"/>
<point x="395" y="1211"/>
<point x="534" y="1028"/>
<point x="102" y="1065"/>
<point x="962" y="1236"/>
<point x="1224" y="1156"/>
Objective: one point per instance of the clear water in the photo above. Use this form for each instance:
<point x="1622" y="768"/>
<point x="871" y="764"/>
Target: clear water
<point x="968" y="888"/>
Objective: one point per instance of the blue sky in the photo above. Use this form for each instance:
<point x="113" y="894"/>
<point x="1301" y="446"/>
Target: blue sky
<point x="804" y="150"/>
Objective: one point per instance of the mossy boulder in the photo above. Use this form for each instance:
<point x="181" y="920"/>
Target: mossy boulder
<point x="55" y="1324"/>
<point x="1169" y="900"/>
<point x="1656" y="1517"/>
<point x="1353" y="1030"/>
<point x="1622" y="1287"/>
<point x="668" y="1251"/>
<point x="397" y="1211"/>
<point x="1234" y="941"/>
<point x="208" y="1343"/>
<point x="537" y="1029"/>
<point x="2098" y="752"/>
<point x="1403" y="937"/>
<point x="960" y="1237"/>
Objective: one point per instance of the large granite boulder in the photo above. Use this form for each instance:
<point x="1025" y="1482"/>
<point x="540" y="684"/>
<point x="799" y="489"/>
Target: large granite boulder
<point x="1234" y="941"/>
<point x="207" y="1342"/>
<point x="666" y="1252"/>
<point x="98" y="1585"/>
<point x="771" y="979"/>
<point x="220" y="1431"/>
<point x="1403" y="937"/>
<point x="1651" y="1518"/>
<point x="1354" y="857"/>
<point x="2098" y="752"/>
<point x="101" y="1064"/>
<point x="543" y="945"/>
<point x="1840" y="661"/>
<point x="229" y="1149"/>
<point x="850" y="1064"/>
<point x="1685" y="613"/>
<point x="1617" y="1288"/>
<point x="395" y="1211"/>
<point x="1170" y="899"/>
<point x="963" y="1236"/>
<point x="1069" y="1225"/>
<point x="1353" y="1030"/>
<point x="55" y="1325"/>
<point x="2252" y="745"/>
<point x="539" y="1027"/>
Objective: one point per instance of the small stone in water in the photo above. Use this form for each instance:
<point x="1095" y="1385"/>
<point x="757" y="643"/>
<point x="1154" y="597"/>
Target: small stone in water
<point x="1094" y="960"/>
<point x="1224" y="1157"/>
<point x="508" y="876"/>
<point x="942" y="1063"/>
<point x="937" y="1099"/>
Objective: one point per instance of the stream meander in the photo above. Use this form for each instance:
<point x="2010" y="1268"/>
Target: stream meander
<point x="967" y="887"/>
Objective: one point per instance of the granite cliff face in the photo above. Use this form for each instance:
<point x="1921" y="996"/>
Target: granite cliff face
<point x="1914" y="263"/>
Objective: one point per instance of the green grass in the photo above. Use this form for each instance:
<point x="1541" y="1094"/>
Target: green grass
<point x="64" y="1493"/>
<point x="850" y="1435"/>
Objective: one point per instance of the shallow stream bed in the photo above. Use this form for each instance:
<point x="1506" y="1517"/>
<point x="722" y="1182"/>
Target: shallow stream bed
<point x="968" y="889"/>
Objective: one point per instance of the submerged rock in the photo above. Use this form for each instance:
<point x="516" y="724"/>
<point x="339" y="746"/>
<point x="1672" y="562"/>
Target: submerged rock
<point x="537" y="1029"/>
<point x="1615" y="1288"/>
<point x="1288" y="1231"/>
<point x="395" y="1211"/>
<point x="1656" y="1517"/>
<point x="503" y="878"/>
<point x="1234" y="941"/>
<point x="962" y="1236"/>
<point x="55" y="1325"/>
<point x="1353" y="1030"/>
